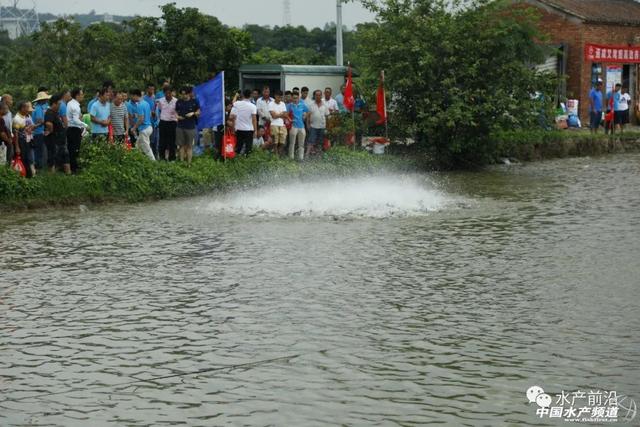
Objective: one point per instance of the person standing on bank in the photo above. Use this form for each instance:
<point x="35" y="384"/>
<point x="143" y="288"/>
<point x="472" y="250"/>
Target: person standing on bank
<point x="188" y="111"/>
<point x="245" y="119"/>
<point x="8" y="121"/>
<point x="100" y="115"/>
<point x="75" y="127"/>
<point x="621" y="113"/>
<point x="6" y="138"/>
<point x="297" y="135"/>
<point x="143" y="127"/>
<point x="23" y="136"/>
<point x="595" y="107"/>
<point x="39" y="149"/>
<point x="278" y="111"/>
<point x="119" y="118"/>
<point x="168" y="125"/>
<point x="56" y="135"/>
<point x="317" y="119"/>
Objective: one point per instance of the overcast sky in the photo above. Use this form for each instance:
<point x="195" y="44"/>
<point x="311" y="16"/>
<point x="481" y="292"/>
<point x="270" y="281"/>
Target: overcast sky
<point x="311" y="13"/>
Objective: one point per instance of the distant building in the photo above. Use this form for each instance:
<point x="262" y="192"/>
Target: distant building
<point x="597" y="39"/>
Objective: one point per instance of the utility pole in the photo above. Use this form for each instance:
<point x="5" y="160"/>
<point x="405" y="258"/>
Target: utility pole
<point x="339" y="54"/>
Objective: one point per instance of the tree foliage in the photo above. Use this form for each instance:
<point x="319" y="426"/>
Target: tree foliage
<point x="457" y="72"/>
<point x="183" y="45"/>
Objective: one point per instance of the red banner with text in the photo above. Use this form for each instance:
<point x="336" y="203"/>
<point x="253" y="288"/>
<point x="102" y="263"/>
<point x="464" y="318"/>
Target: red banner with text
<point x="612" y="54"/>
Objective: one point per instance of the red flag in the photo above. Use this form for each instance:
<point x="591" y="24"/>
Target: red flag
<point x="349" y="100"/>
<point x="381" y="102"/>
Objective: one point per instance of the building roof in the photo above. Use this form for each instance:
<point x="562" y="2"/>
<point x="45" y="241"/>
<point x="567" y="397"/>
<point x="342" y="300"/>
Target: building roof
<point x="619" y="12"/>
<point x="295" y="69"/>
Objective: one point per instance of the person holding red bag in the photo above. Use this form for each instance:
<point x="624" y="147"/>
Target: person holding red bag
<point x="23" y="138"/>
<point x="244" y="116"/>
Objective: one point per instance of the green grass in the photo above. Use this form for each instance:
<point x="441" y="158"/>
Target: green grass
<point x="112" y="174"/>
<point x="540" y="144"/>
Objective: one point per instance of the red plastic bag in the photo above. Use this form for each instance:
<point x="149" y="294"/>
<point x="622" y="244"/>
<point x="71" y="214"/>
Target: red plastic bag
<point x="267" y="132"/>
<point x="127" y="143"/>
<point x="229" y="146"/>
<point x="110" y="135"/>
<point x="350" y="138"/>
<point x="326" y="145"/>
<point x="608" y="117"/>
<point x="288" y="122"/>
<point x="18" y="166"/>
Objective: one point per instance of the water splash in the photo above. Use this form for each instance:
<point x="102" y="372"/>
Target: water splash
<point x="375" y="197"/>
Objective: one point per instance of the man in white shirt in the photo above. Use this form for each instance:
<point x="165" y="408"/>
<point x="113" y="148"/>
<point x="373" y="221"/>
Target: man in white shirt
<point x="244" y="116"/>
<point x="304" y="96"/>
<point x="262" y="105"/>
<point x="317" y="119"/>
<point x="75" y="127"/>
<point x="278" y="111"/>
<point x="331" y="103"/>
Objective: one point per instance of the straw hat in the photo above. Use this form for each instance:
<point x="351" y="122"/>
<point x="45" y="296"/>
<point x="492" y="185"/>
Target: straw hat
<point x="42" y="96"/>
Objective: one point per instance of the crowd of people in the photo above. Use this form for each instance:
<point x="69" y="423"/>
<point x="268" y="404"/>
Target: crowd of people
<point x="616" y="110"/>
<point x="295" y="119"/>
<point x="46" y="133"/>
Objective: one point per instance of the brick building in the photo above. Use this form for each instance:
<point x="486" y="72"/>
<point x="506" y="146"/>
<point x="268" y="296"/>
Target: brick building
<point x="596" y="39"/>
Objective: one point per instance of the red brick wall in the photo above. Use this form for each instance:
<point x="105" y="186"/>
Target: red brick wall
<point x="575" y="34"/>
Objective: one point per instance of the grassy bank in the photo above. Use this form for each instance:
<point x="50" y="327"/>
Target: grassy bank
<point x="111" y="174"/>
<point x="540" y="145"/>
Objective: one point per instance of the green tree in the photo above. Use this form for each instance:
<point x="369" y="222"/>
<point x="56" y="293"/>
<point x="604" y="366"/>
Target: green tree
<point x="192" y="44"/>
<point x="457" y="74"/>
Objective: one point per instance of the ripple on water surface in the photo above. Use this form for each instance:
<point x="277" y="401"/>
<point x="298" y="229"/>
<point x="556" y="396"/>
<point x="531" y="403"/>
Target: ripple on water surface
<point x="127" y="315"/>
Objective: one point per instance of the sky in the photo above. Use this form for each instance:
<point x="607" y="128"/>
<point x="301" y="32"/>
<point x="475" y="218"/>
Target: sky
<point x="310" y="13"/>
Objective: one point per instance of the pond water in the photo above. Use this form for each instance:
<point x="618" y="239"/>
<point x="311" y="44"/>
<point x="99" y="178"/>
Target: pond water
<point x="389" y="300"/>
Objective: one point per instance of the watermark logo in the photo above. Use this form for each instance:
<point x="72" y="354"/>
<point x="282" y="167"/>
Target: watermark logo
<point x="593" y="406"/>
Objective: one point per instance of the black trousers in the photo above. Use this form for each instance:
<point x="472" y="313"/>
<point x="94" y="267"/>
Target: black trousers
<point x="51" y="151"/>
<point x="167" y="139"/>
<point x="132" y="138"/>
<point x="244" y="141"/>
<point x="74" y="138"/>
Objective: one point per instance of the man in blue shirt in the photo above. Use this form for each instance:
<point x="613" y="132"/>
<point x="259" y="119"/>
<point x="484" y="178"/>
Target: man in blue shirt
<point x="100" y="116"/>
<point x="340" y="100"/>
<point x="66" y="97"/>
<point x="93" y="101"/>
<point x="618" y="119"/>
<point x="132" y="111"/>
<point x="595" y="107"/>
<point x="150" y="98"/>
<point x="298" y="111"/>
<point x="41" y="107"/>
<point x="143" y="126"/>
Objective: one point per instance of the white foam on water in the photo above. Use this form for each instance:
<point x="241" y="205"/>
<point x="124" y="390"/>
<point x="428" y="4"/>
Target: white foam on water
<point x="376" y="197"/>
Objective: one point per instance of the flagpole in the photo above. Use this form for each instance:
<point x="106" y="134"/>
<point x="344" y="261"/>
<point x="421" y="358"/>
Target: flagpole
<point x="353" y="109"/>
<point x="386" y="118"/>
<point x="224" y="123"/>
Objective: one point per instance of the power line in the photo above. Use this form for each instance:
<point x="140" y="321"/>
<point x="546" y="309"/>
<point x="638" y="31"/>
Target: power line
<point x="286" y="13"/>
<point x="19" y="22"/>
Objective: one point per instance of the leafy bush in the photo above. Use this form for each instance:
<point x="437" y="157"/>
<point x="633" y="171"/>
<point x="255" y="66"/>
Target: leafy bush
<point x="458" y="74"/>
